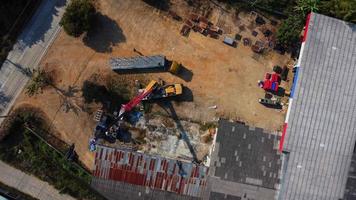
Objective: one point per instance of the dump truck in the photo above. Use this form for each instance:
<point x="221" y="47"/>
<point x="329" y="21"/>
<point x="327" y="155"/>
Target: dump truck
<point x="174" y="67"/>
<point x="165" y="91"/>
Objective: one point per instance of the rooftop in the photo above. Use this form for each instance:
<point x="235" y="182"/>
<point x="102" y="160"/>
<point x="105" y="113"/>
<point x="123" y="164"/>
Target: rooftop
<point x="114" y="190"/>
<point x="151" y="171"/>
<point x="244" y="159"/>
<point x="321" y="131"/>
<point x="139" y="62"/>
<point x="350" y="191"/>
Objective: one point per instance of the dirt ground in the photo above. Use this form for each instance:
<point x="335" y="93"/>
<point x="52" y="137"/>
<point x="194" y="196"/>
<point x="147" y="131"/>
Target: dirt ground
<point x="216" y="74"/>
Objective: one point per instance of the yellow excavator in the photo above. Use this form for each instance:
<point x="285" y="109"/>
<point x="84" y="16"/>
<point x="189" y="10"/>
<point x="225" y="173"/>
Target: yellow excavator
<point x="164" y="91"/>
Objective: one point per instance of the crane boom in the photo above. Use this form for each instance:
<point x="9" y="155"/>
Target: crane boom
<point x="135" y="101"/>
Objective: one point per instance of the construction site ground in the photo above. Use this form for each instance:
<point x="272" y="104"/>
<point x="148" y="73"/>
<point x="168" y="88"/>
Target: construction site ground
<point x="221" y="80"/>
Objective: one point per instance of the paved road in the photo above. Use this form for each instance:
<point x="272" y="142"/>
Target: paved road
<point x="31" y="46"/>
<point x="29" y="184"/>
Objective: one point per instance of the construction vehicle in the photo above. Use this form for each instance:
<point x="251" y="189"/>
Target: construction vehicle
<point x="271" y="82"/>
<point x="135" y="101"/>
<point x="165" y="91"/>
<point x="174" y="67"/>
<point x="110" y="126"/>
<point x="274" y="102"/>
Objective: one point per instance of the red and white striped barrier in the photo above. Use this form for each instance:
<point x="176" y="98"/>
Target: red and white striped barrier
<point x="295" y="79"/>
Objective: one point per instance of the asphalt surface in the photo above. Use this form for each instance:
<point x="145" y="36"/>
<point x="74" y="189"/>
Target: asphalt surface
<point x="29" y="184"/>
<point x="30" y="47"/>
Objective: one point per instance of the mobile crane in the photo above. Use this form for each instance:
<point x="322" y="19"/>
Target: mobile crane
<point x="152" y="90"/>
<point x="108" y="129"/>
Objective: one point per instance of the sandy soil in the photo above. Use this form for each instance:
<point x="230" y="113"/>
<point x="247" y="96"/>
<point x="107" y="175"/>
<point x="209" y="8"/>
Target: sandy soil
<point x="216" y="74"/>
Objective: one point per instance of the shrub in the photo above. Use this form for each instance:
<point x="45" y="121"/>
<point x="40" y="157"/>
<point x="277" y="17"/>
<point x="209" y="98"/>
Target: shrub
<point x="78" y="17"/>
<point x="40" y="79"/>
<point x="26" y="151"/>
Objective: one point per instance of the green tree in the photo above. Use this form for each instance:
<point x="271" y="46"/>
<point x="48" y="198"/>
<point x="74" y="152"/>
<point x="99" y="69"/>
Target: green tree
<point x="307" y="6"/>
<point x="289" y="32"/>
<point x="342" y="9"/>
<point x="78" y="17"/>
<point x="40" y="79"/>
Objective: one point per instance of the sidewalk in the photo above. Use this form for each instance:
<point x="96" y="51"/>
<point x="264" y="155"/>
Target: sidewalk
<point x="29" y="184"/>
<point x="31" y="46"/>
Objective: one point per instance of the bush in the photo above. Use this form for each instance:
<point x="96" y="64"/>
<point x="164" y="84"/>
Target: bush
<point x="26" y="151"/>
<point x="208" y="125"/>
<point x="40" y="79"/>
<point x="342" y="9"/>
<point x="78" y="17"/>
<point x="111" y="94"/>
<point x="289" y="32"/>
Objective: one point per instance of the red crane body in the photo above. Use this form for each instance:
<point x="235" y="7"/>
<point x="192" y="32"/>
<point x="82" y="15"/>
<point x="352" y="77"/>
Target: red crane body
<point x="135" y="101"/>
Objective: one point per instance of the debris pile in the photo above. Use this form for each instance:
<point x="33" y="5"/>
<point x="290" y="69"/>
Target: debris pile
<point x="202" y="25"/>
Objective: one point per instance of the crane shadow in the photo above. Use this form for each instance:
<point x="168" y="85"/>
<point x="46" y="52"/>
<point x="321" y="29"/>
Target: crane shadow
<point x="168" y="107"/>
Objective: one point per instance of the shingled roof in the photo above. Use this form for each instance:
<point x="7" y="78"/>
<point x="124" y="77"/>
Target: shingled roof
<point x="321" y="133"/>
<point x="245" y="163"/>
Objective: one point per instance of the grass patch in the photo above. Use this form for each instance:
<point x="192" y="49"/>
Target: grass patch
<point x="24" y="150"/>
<point x="208" y="125"/>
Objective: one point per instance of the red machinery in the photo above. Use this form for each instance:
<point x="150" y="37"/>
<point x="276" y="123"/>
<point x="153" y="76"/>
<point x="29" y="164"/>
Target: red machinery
<point x="271" y="82"/>
<point x="103" y="128"/>
<point x="131" y="104"/>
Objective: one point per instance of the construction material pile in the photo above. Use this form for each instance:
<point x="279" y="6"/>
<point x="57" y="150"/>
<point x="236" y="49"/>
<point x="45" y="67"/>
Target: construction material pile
<point x="202" y="25"/>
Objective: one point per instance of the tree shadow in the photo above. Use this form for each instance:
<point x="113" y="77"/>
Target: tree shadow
<point x="352" y="26"/>
<point x="159" y="4"/>
<point x="168" y="107"/>
<point x="35" y="31"/>
<point x="4" y="100"/>
<point x="185" y="74"/>
<point x="105" y="34"/>
<point x="25" y="71"/>
<point x="71" y="91"/>
<point x="94" y="92"/>
<point x="67" y="106"/>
